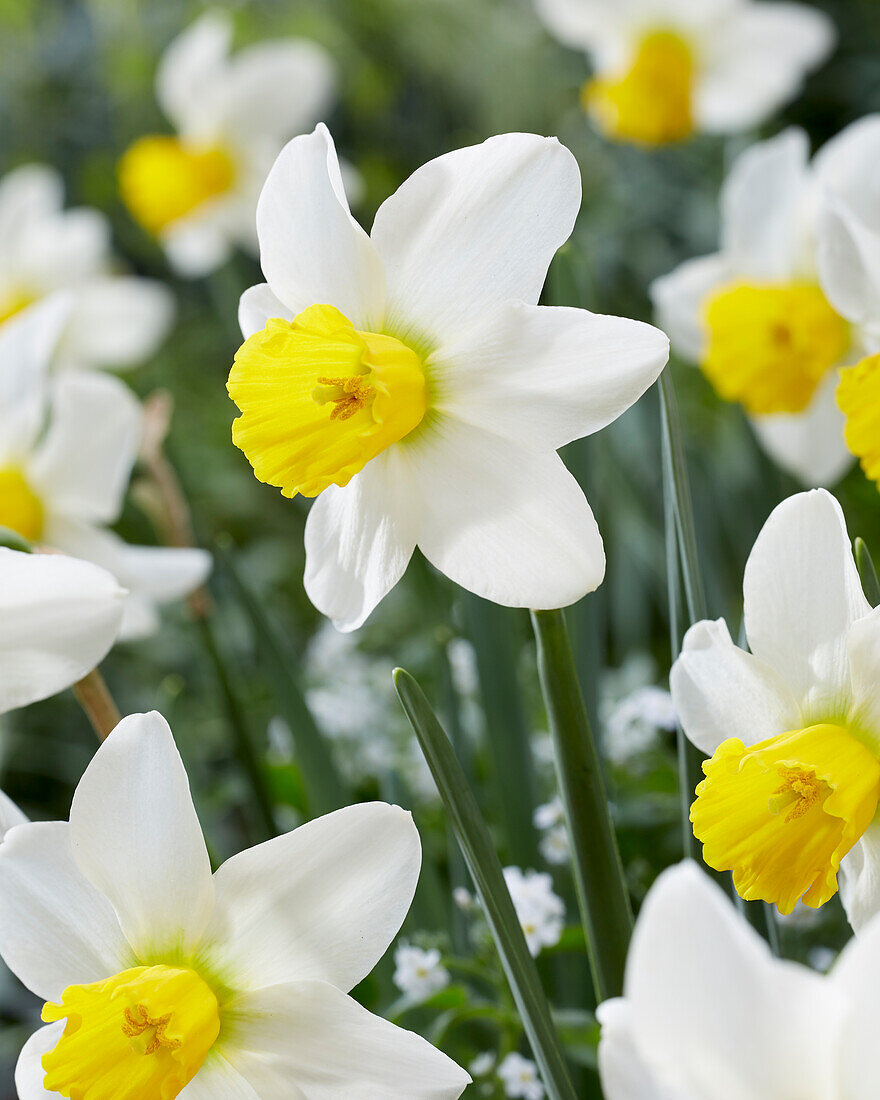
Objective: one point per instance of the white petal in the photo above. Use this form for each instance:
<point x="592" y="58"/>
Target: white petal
<point x="802" y="594"/>
<point x="576" y="23"/>
<point x="197" y="245"/>
<point x="192" y="66"/>
<point x="721" y="691"/>
<point x="56" y="929"/>
<point x="277" y="89"/>
<point x="29" y="1072"/>
<point x="257" y="306"/>
<point x="758" y="63"/>
<point x="621" y="1067"/>
<point x="849" y="261"/>
<point x="332" y="1047"/>
<point x="856" y="976"/>
<point x="217" y="1080"/>
<point x="860" y="879"/>
<point x="544" y="376"/>
<point x="762" y="208"/>
<point x="509" y="524"/>
<point x="359" y="539"/>
<point x="323" y="902"/>
<point x="116" y="322"/>
<point x="311" y="249"/>
<point x="845" y="166"/>
<point x="703" y="988"/>
<point x="809" y="444"/>
<point x="863" y="649"/>
<point x="680" y="297"/>
<point x="136" y="837"/>
<point x="30" y="194"/>
<point x="58" y="619"/>
<point x="474" y="228"/>
<point x="10" y="815"/>
<point x="83" y="463"/>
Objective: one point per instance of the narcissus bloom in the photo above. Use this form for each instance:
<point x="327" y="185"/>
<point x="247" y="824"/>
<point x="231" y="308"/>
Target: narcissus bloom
<point x="665" y="69"/>
<point x="161" y="980"/>
<point x="792" y="727"/>
<point x="58" y="619"/>
<point x="116" y="320"/>
<point x="67" y="448"/>
<point x="708" y="1013"/>
<point x="411" y="382"/>
<point x="756" y="314"/>
<point x="197" y="190"/>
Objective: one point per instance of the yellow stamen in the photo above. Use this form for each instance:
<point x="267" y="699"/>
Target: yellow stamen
<point x="782" y="814"/>
<point x="651" y="103"/>
<point x="20" y="508"/>
<point x="858" y="396"/>
<point x="14" y="301"/>
<point x="770" y="346"/>
<point x="319" y="400"/>
<point x="162" y="180"/>
<point x="142" y="1035"/>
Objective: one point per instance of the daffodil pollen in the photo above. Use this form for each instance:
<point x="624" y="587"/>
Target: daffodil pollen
<point x="142" y="1035"/>
<point x="20" y="508"/>
<point x="161" y="180"/>
<point x="770" y="346"/>
<point x="858" y="396"/>
<point x="319" y="399"/>
<point x="782" y="814"/>
<point x="651" y="103"/>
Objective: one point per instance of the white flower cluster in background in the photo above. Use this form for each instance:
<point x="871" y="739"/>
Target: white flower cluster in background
<point x="633" y="709"/>
<point x="520" y="1079"/>
<point x="541" y="912"/>
<point x="419" y="973"/>
<point x="549" y="820"/>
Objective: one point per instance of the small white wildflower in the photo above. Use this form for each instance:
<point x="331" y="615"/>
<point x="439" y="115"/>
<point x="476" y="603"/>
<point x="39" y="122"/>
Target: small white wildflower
<point x="520" y="1078"/>
<point x="418" y="973"/>
<point x="463" y="899"/>
<point x="541" y="912"/>
<point x="554" y="846"/>
<point x="482" y="1065"/>
<point x="547" y="816"/>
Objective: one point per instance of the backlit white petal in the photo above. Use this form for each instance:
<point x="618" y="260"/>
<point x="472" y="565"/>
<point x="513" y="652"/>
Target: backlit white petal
<point x="801" y="596"/>
<point x="681" y="297"/>
<point x="859" y="879"/>
<point x="58" y="619"/>
<point x="191" y="68"/>
<point x="845" y="167"/>
<point x="56" y="928"/>
<point x="136" y="837"/>
<point x="509" y="524"/>
<point x="332" y="1047"/>
<point x="10" y="815"/>
<point x="849" y="261"/>
<point x="544" y="376"/>
<point x="863" y="648"/>
<point x="856" y="975"/>
<point x="311" y="249"/>
<point x="66" y="250"/>
<point x="28" y="195"/>
<point x="217" y="1080"/>
<point x="257" y="306"/>
<point x="116" y="322"/>
<point x="624" y="1074"/>
<point x="29" y="1072"/>
<point x="474" y="228"/>
<point x="322" y="902"/>
<point x="721" y="691"/>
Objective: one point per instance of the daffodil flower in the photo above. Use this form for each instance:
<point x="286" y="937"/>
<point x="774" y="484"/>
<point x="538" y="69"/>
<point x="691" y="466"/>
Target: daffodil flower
<point x="197" y="190"/>
<point x="666" y="69"/>
<point x="849" y="262"/>
<point x="411" y="382"/>
<point x="756" y="315"/>
<point x="708" y="1013"/>
<point x="116" y="320"/>
<point x="793" y="726"/>
<point x="161" y="980"/>
<point x="67" y="448"/>
<point x="58" y="619"/>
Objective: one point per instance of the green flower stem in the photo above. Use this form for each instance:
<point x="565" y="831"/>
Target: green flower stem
<point x="485" y="870"/>
<point x="602" y="893"/>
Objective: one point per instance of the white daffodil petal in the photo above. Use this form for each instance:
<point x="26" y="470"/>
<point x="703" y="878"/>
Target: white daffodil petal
<point x="135" y="835"/>
<point x="623" y="1072"/>
<point x="808" y="444"/>
<point x="191" y="68"/>
<point x="762" y="208"/>
<point x="67" y="250"/>
<point x="10" y="815"/>
<point x="849" y="261"/>
<point x="856" y="977"/>
<point x="359" y="539"/>
<point x="576" y="23"/>
<point x="257" y="306"/>
<point x="474" y="228"/>
<point x="845" y="167"/>
<point x="859" y="879"/>
<point x="197" y="245"/>
<point x="58" y="619"/>
<point x="56" y="928"/>
<point x="776" y="1011"/>
<point x="680" y="297"/>
<point x="863" y="648"/>
<point x="116" y="322"/>
<point x="28" y="195"/>
<point x="217" y="1080"/>
<point x="506" y="523"/>
<point x="721" y="691"/>
<point x="83" y="463"/>
<point x="544" y="376"/>
<point x="802" y="594"/>
<point x="312" y="250"/>
<point x="29" y="1072"/>
<point x="322" y="902"/>
<point x="332" y="1047"/>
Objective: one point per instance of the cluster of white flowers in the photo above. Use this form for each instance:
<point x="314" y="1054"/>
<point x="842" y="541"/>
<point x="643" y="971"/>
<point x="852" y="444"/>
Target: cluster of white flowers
<point x="520" y="1079"/>
<point x="419" y="973"/>
<point x="633" y="709"/>
<point x="549" y="820"/>
<point x="540" y="910"/>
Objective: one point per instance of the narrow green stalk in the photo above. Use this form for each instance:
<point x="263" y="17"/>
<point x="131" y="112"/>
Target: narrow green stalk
<point x="488" y="878"/>
<point x="868" y="573"/>
<point x="602" y="893"/>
